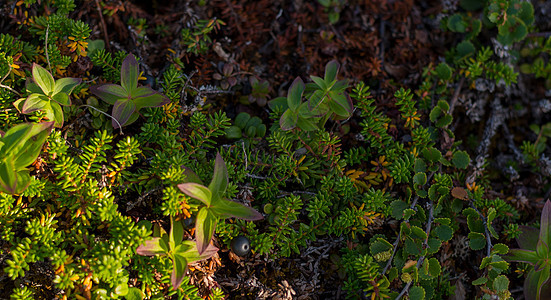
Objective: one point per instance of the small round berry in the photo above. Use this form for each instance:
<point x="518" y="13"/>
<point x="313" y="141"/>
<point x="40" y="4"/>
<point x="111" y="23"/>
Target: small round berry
<point x="241" y="246"/>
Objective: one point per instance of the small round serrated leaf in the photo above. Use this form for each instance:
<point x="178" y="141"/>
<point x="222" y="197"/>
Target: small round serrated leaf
<point x="461" y="159"/>
<point x="417" y="293"/>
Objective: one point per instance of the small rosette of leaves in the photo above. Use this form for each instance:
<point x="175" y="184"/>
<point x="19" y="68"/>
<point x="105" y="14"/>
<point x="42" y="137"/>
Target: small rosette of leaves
<point x="47" y="94"/>
<point x="127" y="99"/>
<point x="326" y="98"/>
<point x="180" y="251"/>
<point x="216" y="206"/>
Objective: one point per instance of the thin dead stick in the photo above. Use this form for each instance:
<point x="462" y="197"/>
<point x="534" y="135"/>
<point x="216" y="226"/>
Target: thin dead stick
<point x="46" y="48"/>
<point x="103" y="26"/>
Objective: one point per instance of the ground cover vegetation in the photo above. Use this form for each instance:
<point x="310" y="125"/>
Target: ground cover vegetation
<point x="352" y="149"/>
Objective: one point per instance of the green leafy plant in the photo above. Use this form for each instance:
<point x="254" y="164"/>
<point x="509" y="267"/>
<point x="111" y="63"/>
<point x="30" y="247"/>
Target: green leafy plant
<point x="216" y="206"/>
<point x="534" y="250"/>
<point x="127" y="99"/>
<point x="19" y="147"/>
<point x="47" y="95"/>
<point x="180" y="251"/>
<point x="245" y="125"/>
<point x="326" y="98"/>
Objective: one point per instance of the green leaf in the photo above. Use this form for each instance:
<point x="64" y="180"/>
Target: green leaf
<point x="444" y="121"/>
<point x="121" y="289"/>
<point x="134" y="294"/>
<point x="418" y="233"/>
<point x="500" y="249"/>
<point x="379" y="245"/>
<point x="151" y="247"/>
<point x="443" y="71"/>
<point x="461" y="159"/>
<point x="220" y="179"/>
<point x="310" y="124"/>
<point x="294" y="95"/>
<point x="501" y="283"/>
<point x="312" y="109"/>
<point x="479" y="281"/>
<point x="233" y="132"/>
<point x="8" y="176"/>
<point x="178" y="272"/>
<point x="477" y="241"/>
<point x="189" y="250"/>
<point x="62" y="98"/>
<point x="413" y="247"/>
<point x="417" y="293"/>
<point x="397" y="208"/>
<point x="545" y="224"/>
<point x="31" y="148"/>
<point x="528" y="239"/>
<point x="43" y="79"/>
<point x="176" y="233"/>
<point x="196" y="191"/>
<point x="420" y="178"/>
<point x="242" y="119"/>
<point x="340" y="104"/>
<point x="34" y="102"/>
<point x="456" y="23"/>
<point x="109" y="93"/>
<point x="491" y="217"/>
<point x="227" y="208"/>
<point x="66" y="85"/>
<point x="129" y="73"/>
<point x="535" y="284"/>
<point x="150" y="99"/>
<point x="432" y="154"/>
<point x="434" y="267"/>
<point x="444" y="232"/>
<point x="55" y="113"/>
<point x="278" y="103"/>
<point x="319" y="81"/>
<point x="434" y="245"/>
<point x="464" y="50"/>
<point x="122" y="111"/>
<point x="288" y="120"/>
<point x="331" y="70"/>
<point x="204" y="228"/>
